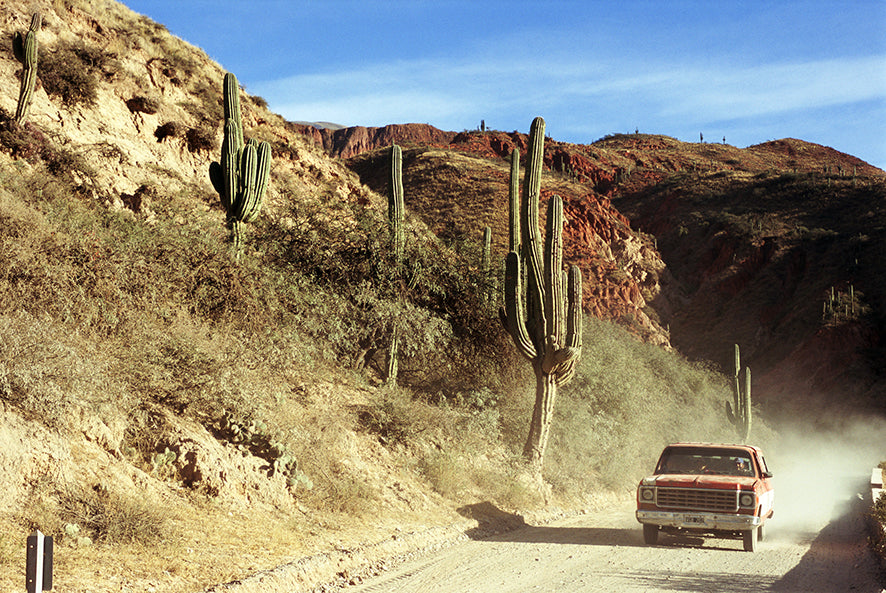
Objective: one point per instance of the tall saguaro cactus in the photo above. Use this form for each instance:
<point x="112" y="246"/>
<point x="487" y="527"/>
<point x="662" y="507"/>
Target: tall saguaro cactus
<point x="741" y="417"/>
<point x="241" y="178"/>
<point x="396" y="208"/>
<point x="544" y="316"/>
<point x="396" y="216"/>
<point x="25" y="50"/>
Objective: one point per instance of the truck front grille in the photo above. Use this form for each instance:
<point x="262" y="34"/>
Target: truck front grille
<point x="698" y="499"/>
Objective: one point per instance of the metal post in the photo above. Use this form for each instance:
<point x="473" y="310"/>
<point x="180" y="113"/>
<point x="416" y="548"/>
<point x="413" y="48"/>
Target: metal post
<point x="38" y="565"/>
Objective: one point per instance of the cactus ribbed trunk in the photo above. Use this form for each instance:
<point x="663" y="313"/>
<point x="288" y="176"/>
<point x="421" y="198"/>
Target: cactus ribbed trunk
<point x="25" y="50"/>
<point x="544" y="318"/>
<point x="542" y="418"/>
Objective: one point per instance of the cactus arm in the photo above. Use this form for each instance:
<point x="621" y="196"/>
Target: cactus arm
<point x="739" y="414"/>
<point x="529" y="231"/>
<point x="232" y="108"/>
<point x="514" y="203"/>
<point x="25" y="50"/>
<point x="486" y="258"/>
<point x="248" y="180"/>
<point x="746" y="421"/>
<point x="229" y="166"/>
<point x="263" y="174"/>
<point x="554" y="294"/>
<point x="574" y="328"/>
<point x="515" y="316"/>
<point x="735" y="412"/>
<point x="569" y="356"/>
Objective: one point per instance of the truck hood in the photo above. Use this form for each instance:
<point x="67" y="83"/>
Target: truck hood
<point x="705" y="481"/>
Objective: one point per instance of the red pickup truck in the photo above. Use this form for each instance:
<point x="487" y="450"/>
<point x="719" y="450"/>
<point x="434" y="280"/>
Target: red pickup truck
<point x="707" y="489"/>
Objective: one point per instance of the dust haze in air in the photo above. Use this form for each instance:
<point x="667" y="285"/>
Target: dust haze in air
<point x="822" y="471"/>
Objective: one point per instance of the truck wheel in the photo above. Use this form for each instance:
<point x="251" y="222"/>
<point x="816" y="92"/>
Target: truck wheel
<point x="650" y="534"/>
<point x="760" y="533"/>
<point x="750" y="540"/>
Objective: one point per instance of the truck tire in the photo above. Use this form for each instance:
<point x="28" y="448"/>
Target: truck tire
<point x="750" y="538"/>
<point x="650" y="534"/>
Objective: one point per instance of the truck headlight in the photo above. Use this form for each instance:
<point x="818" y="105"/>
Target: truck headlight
<point x="747" y="500"/>
<point x="647" y="494"/>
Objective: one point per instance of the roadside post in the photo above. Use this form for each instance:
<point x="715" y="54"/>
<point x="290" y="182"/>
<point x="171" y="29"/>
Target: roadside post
<point x="38" y="565"/>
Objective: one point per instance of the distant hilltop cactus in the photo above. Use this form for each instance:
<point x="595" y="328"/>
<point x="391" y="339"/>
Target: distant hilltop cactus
<point x="241" y="178"/>
<point x="25" y="49"/>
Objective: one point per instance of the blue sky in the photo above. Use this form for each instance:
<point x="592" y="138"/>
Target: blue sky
<point x="750" y="71"/>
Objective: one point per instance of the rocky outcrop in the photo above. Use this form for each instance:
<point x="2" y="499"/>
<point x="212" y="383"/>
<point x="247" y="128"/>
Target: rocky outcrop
<point x="348" y="142"/>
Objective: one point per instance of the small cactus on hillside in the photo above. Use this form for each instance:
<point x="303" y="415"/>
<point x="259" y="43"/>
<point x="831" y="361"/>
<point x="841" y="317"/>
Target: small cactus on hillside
<point x="741" y="416"/>
<point x="25" y="49"/>
<point x="241" y="178"/>
<point x="490" y="284"/>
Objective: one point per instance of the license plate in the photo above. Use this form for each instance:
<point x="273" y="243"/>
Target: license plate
<point x="693" y="519"/>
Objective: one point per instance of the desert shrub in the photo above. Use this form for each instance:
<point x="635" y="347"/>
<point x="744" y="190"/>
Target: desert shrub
<point x="445" y="471"/>
<point x="398" y="418"/>
<point x="70" y="72"/>
<point x="113" y="518"/>
<point x="200" y="139"/>
<point x="23" y="141"/>
<point x="28" y="142"/>
<point x="449" y="339"/>
<point x="259" y="102"/>
<point x="172" y="129"/>
<point x="143" y="105"/>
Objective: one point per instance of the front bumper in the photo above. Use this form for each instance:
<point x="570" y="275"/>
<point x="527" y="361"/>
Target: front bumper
<point x="699" y="521"/>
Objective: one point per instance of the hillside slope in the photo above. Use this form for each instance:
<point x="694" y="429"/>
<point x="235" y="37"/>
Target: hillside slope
<point x="697" y="245"/>
<point x="176" y="419"/>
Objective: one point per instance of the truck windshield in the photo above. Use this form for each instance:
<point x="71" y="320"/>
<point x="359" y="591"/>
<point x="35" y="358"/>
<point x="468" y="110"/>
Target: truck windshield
<point x="701" y="462"/>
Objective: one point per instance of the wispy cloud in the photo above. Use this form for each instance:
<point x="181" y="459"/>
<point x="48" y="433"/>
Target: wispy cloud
<point x="452" y="90"/>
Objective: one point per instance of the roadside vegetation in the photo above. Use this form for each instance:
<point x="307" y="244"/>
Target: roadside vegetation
<point x="101" y="312"/>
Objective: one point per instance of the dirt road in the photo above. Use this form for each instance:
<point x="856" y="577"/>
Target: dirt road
<point x="604" y="551"/>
